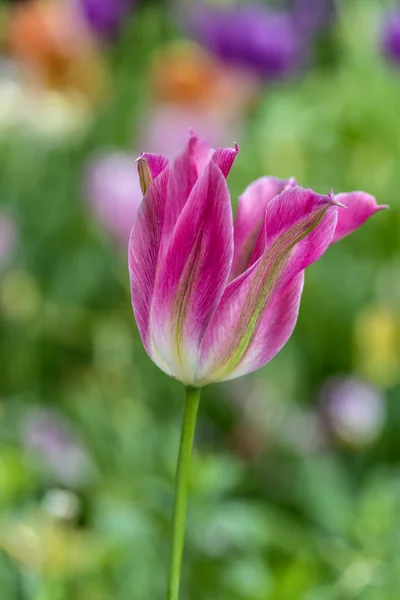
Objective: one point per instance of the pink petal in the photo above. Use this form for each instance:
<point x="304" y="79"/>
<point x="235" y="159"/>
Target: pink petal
<point x="244" y="334"/>
<point x="250" y="218"/>
<point x="149" y="167"/>
<point x="185" y="171"/>
<point x="193" y="274"/>
<point x="360" y="207"/>
<point x="144" y="246"/>
<point x="302" y="215"/>
<point x="276" y="326"/>
<point x="274" y="330"/>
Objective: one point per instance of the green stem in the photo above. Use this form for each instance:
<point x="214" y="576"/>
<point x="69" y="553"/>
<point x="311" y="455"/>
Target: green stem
<point x="181" y="490"/>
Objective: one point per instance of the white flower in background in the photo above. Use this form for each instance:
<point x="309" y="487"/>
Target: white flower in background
<point x="354" y="410"/>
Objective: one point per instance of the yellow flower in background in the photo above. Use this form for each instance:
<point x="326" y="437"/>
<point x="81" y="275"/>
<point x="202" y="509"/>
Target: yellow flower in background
<point x="20" y="297"/>
<point x="377" y="345"/>
<point x="47" y="546"/>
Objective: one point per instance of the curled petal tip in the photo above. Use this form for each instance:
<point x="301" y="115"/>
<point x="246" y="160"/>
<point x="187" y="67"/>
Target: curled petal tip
<point x="139" y="157"/>
<point x="193" y="137"/>
<point x="236" y="146"/>
<point x="149" y="166"/>
<point x="334" y="201"/>
<point x="144" y="173"/>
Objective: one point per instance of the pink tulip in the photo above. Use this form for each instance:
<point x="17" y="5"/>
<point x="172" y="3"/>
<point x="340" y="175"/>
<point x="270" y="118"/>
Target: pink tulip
<point x="215" y="301"/>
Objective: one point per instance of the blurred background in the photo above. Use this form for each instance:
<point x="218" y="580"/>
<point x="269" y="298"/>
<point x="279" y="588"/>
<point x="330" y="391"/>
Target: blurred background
<point x="295" y="492"/>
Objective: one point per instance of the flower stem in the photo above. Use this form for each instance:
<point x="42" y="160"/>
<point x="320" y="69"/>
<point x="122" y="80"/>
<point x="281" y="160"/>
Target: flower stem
<point x="181" y="490"/>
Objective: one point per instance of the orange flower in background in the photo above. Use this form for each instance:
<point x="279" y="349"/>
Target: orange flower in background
<point x="53" y="47"/>
<point x="183" y="73"/>
<point x="191" y="89"/>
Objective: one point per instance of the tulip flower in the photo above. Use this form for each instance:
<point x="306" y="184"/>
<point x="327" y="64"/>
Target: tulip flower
<point x="214" y="301"/>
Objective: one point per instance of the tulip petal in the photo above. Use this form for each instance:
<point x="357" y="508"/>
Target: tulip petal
<point x="250" y="218"/>
<point x="242" y="336"/>
<point x="144" y="245"/>
<point x="193" y="274"/>
<point x="184" y="172"/>
<point x="149" y="167"/>
<point x="360" y="206"/>
<point x="275" y="328"/>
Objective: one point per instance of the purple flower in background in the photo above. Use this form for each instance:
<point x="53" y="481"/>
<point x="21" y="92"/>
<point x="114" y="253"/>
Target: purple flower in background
<point x="114" y="194"/>
<point x="254" y="36"/>
<point x="48" y="440"/>
<point x="105" y="17"/>
<point x="391" y="36"/>
<point x="8" y="236"/>
<point x="353" y="409"/>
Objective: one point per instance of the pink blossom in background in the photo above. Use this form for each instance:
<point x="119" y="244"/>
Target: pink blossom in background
<point x="49" y="441"/>
<point x="214" y="301"/>
<point x="166" y="128"/>
<point x="8" y="237"/>
<point x="113" y="192"/>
